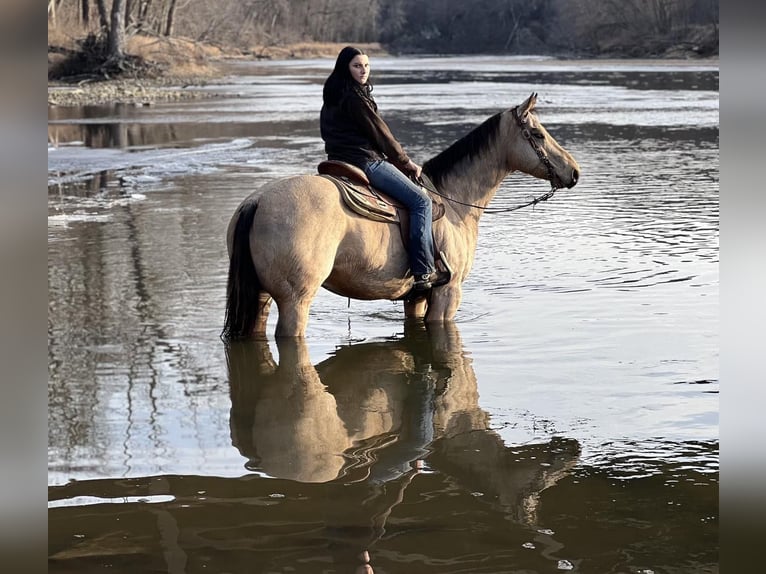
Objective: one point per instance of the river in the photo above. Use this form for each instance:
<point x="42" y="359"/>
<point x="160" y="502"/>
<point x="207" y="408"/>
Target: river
<point x="567" y="421"/>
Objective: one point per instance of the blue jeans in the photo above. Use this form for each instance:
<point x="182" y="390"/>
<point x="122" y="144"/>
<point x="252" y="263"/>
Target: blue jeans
<point x="390" y="180"/>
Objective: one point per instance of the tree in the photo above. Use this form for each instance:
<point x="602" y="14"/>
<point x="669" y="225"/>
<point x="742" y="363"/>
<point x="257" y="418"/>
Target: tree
<point x="103" y="20"/>
<point x="169" y="20"/>
<point x="117" y="31"/>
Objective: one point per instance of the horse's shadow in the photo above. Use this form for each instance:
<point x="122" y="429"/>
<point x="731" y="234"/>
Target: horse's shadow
<point x="367" y="420"/>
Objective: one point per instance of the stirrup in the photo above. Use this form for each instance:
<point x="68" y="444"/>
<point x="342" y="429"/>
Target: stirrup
<point x="434" y="279"/>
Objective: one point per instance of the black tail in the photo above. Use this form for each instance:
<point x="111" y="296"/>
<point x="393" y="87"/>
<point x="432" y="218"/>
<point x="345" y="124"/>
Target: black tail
<point x="243" y="287"/>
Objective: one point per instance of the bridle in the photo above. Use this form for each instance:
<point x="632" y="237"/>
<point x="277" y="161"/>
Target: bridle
<point x="522" y="123"/>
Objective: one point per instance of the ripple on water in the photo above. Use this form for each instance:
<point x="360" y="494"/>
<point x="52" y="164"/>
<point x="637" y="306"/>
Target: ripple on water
<point x="629" y="460"/>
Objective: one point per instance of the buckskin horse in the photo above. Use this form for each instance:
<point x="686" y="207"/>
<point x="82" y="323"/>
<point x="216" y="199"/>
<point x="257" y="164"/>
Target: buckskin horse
<point x="296" y="234"/>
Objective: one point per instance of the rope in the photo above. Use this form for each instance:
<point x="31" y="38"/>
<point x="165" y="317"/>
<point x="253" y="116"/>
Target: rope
<point x="534" y="201"/>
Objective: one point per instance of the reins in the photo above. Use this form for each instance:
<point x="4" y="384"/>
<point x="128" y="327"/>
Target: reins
<point x="522" y="123"/>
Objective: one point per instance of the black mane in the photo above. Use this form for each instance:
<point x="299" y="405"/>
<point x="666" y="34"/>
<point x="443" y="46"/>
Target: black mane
<point x="470" y="145"/>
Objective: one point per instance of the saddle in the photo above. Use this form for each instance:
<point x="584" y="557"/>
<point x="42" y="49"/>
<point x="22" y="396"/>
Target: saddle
<point x="359" y="195"/>
<point x="362" y="198"/>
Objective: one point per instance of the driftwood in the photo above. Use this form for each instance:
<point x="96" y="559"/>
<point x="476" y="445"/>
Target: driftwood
<point x="92" y="62"/>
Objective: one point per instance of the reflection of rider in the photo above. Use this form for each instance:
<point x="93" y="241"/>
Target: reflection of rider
<point x="354" y="132"/>
<point x="404" y="393"/>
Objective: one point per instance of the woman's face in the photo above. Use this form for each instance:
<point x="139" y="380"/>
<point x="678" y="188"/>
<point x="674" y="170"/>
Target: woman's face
<point x="359" y="67"/>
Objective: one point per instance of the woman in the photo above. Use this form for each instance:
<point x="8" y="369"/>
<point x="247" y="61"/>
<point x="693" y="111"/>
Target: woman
<point x="354" y="132"/>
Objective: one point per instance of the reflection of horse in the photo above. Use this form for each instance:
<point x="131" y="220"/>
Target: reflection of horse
<point x="369" y="406"/>
<point x="366" y="419"/>
<point x="295" y="235"/>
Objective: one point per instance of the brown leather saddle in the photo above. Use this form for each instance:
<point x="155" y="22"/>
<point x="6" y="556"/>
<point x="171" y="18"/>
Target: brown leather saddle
<point x="362" y="198"/>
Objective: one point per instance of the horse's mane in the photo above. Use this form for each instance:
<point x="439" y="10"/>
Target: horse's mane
<point x="472" y="144"/>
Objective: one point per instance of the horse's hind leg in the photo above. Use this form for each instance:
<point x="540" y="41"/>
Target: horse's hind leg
<point x="264" y="306"/>
<point x="293" y="317"/>
<point x="294" y="297"/>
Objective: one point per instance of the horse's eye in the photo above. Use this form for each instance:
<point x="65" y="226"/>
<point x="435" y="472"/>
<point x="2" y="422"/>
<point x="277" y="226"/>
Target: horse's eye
<point x="537" y="133"/>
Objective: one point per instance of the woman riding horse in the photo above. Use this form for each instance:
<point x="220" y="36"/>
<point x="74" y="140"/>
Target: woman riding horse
<point x="354" y="132"/>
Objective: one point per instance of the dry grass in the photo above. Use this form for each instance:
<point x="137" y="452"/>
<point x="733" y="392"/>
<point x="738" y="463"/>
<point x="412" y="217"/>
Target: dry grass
<point x="64" y="39"/>
<point x="311" y="50"/>
<point x="179" y="56"/>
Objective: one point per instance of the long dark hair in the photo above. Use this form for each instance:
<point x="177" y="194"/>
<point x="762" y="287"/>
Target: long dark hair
<point x="340" y="79"/>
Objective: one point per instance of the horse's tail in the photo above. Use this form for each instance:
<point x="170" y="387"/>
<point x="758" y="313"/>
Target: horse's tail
<point x="242" y="287"/>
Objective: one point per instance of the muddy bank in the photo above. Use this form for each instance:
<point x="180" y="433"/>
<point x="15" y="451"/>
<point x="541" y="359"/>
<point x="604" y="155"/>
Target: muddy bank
<point x="137" y="92"/>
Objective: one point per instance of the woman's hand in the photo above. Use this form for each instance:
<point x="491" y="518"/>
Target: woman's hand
<point x="414" y="169"/>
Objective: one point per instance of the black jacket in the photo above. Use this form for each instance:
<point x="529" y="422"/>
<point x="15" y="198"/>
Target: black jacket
<point x="354" y="132"/>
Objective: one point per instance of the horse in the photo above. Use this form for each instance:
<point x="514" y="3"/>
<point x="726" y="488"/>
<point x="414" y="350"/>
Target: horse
<point x="295" y="234"/>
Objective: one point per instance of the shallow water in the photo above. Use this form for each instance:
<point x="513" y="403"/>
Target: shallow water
<point x="569" y="420"/>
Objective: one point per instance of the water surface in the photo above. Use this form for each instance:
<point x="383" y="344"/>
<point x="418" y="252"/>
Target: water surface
<point x="568" y="420"/>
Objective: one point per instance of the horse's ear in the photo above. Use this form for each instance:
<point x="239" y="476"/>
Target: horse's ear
<point x="528" y="105"/>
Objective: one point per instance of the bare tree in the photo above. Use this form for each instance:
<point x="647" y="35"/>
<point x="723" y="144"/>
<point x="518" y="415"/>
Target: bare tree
<point x="130" y="21"/>
<point x="103" y="19"/>
<point x="143" y="10"/>
<point x="117" y="31"/>
<point x="170" y="18"/>
<point x="52" y="11"/>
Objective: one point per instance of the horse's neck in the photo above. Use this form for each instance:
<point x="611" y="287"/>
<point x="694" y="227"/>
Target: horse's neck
<point x="476" y="184"/>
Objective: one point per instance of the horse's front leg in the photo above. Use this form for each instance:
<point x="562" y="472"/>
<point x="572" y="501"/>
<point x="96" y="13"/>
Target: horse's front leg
<point x="444" y="302"/>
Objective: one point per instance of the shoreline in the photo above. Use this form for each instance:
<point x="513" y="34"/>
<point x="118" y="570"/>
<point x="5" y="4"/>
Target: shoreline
<point x="147" y="91"/>
<point x="137" y="92"/>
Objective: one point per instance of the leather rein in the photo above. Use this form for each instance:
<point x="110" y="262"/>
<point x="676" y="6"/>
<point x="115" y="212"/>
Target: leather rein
<point x="522" y="123"/>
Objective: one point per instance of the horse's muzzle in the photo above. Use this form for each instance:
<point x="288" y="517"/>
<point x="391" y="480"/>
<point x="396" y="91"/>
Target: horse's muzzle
<point x="573" y="179"/>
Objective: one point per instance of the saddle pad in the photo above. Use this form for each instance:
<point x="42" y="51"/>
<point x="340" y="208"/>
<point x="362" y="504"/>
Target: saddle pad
<point x="363" y="201"/>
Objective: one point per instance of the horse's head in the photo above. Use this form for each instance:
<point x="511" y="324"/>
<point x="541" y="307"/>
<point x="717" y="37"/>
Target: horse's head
<point x="536" y="152"/>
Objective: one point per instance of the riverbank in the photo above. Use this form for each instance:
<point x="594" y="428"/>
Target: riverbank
<point x="138" y="92"/>
<point x="186" y="70"/>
